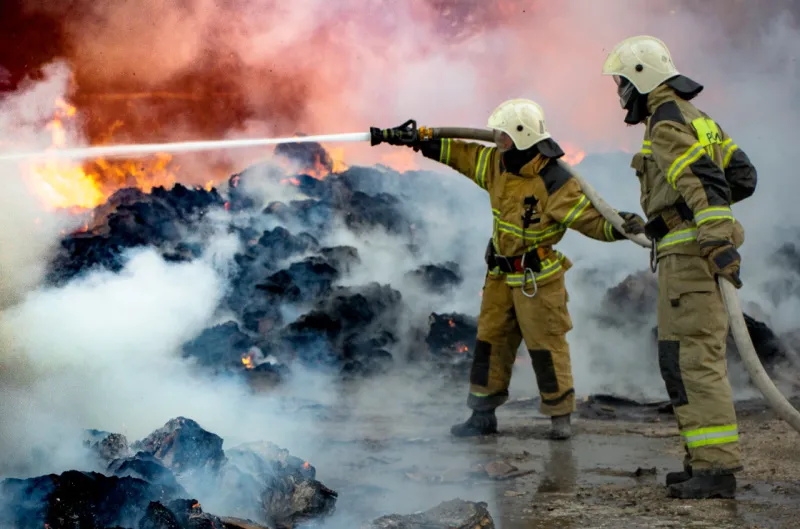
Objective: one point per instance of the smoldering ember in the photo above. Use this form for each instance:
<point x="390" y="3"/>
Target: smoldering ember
<point x="289" y="309"/>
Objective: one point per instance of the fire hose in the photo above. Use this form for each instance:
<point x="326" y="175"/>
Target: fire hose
<point x="782" y="407"/>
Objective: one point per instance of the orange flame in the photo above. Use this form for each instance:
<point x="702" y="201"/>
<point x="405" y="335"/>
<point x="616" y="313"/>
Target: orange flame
<point x="306" y="465"/>
<point x="572" y="155"/>
<point x="461" y="348"/>
<point x="451" y="323"/>
<point x="69" y="185"/>
<point x="247" y="361"/>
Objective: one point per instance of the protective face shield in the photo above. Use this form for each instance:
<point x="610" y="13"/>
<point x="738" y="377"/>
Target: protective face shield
<point x="522" y="120"/>
<point x="626" y="92"/>
<point x="503" y="141"/>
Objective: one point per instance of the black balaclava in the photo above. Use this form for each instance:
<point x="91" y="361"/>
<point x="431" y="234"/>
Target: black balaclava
<point x="636" y="103"/>
<point x="514" y="159"/>
<point x="633" y="101"/>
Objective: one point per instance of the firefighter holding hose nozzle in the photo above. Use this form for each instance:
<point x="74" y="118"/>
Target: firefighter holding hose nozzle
<point x="534" y="200"/>
<point x="690" y="172"/>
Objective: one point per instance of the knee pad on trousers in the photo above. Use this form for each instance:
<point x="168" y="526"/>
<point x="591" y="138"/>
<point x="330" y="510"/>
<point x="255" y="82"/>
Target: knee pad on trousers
<point x="669" y="354"/>
<point x="479" y="374"/>
<point x="545" y="370"/>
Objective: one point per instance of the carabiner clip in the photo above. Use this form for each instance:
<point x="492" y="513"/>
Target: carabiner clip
<point x="653" y="257"/>
<point x="525" y="282"/>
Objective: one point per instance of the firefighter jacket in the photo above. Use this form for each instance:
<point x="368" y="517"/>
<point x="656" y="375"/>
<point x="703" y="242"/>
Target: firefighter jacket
<point x="532" y="209"/>
<point x="690" y="172"/>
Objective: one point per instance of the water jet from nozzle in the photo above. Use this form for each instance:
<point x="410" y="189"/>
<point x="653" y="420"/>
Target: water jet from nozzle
<point x="110" y="151"/>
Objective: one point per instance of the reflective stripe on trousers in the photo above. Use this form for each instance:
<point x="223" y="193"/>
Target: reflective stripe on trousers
<point x="715" y="435"/>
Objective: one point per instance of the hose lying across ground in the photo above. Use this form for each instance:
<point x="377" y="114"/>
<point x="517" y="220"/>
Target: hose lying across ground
<point x="782" y="407"/>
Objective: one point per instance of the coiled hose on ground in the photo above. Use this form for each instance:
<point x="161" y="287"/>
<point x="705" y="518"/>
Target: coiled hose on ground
<point x="782" y="407"/>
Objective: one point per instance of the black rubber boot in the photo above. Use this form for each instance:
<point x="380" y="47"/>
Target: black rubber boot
<point x="560" y="427"/>
<point x="703" y="487"/>
<point x="481" y="423"/>
<point x="673" y="478"/>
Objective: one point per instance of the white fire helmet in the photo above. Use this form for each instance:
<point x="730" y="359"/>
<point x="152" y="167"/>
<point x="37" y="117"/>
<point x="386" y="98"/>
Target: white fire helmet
<point x="523" y="121"/>
<point x="643" y="60"/>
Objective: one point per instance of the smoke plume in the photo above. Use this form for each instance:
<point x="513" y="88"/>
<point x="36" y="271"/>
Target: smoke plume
<point x="102" y="351"/>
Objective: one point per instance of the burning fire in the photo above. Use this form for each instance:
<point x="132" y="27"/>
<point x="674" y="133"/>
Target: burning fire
<point x="451" y="323"/>
<point x="247" y="360"/>
<point x="320" y="168"/>
<point x="572" y="154"/>
<point x="65" y="184"/>
<point x="306" y="465"/>
<point x="461" y="348"/>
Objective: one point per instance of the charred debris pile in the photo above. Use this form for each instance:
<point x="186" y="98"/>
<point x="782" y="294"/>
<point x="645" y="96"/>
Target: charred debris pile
<point x="155" y="483"/>
<point x="285" y="268"/>
<point x="179" y="474"/>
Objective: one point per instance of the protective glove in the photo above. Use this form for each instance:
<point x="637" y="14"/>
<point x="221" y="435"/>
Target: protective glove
<point x="724" y="260"/>
<point x="633" y="225"/>
<point x="406" y="134"/>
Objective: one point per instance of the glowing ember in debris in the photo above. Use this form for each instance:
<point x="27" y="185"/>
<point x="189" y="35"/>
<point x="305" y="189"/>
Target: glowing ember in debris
<point x="196" y="506"/>
<point x="247" y="361"/>
<point x="461" y="348"/>
<point x="306" y="465"/>
<point x="451" y="323"/>
<point x="294" y="181"/>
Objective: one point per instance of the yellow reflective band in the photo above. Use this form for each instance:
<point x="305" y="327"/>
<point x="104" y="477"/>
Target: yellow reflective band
<point x="444" y="154"/>
<point x="479" y="394"/>
<point x="691" y="155"/>
<point x="677" y="237"/>
<point x="483" y="165"/>
<point x="576" y="211"/>
<point x="715" y="435"/>
<point x="549" y="268"/>
<point x="728" y="148"/>
<point x="715" y="213"/>
<point x="608" y="230"/>
<point x="646" y="147"/>
<point x="496" y="212"/>
<point x="529" y="236"/>
<point x="707" y="131"/>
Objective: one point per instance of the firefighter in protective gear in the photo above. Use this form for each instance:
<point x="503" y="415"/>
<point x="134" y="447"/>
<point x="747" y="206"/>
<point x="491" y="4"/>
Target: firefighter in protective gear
<point x="534" y="201"/>
<point x="690" y="172"/>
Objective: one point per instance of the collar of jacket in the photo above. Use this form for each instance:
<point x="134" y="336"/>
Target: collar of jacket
<point x="535" y="158"/>
<point x="679" y="87"/>
<point x="659" y="96"/>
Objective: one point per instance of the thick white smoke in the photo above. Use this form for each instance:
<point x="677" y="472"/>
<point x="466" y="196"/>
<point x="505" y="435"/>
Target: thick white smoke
<point x="101" y="352"/>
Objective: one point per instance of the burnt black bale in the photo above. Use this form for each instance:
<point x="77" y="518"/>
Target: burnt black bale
<point x="146" y="467"/>
<point x="438" y="278"/>
<point x="178" y="514"/>
<point x="259" y="259"/>
<point x="451" y="339"/>
<point x="342" y="258"/>
<point x="183" y="445"/>
<point x="302" y="281"/>
<point x="132" y="219"/>
<point x="78" y="500"/>
<point x="221" y="345"/>
<point x="106" y="446"/>
<point x="346" y="329"/>
<point x="279" y="244"/>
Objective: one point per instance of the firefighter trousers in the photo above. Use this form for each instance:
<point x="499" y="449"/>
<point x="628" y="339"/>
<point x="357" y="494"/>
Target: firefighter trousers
<point x="507" y="317"/>
<point x="692" y="333"/>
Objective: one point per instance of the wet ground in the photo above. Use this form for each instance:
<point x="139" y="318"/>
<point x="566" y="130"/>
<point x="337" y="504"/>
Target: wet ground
<point x="398" y="457"/>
